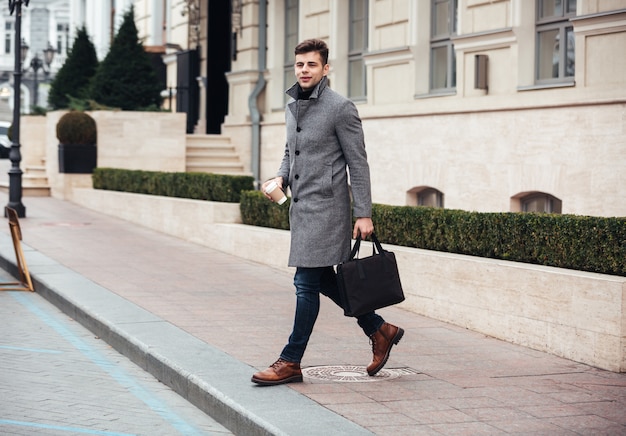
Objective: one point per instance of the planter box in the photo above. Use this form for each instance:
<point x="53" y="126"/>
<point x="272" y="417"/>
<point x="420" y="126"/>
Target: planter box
<point x="77" y="158"/>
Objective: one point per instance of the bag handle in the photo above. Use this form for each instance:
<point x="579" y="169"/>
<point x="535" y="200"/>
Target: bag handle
<point x="375" y="246"/>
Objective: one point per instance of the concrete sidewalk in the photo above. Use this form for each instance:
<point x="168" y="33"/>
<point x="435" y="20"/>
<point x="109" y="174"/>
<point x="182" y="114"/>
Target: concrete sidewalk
<point x="202" y="322"/>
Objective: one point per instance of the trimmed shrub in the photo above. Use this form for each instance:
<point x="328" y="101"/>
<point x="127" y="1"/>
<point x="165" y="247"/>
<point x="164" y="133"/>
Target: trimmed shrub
<point x="197" y="186"/>
<point x="76" y="128"/>
<point x="257" y="210"/>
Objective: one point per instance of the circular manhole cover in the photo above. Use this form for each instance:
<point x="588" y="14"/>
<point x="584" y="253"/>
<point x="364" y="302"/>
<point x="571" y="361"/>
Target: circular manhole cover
<point x="353" y="374"/>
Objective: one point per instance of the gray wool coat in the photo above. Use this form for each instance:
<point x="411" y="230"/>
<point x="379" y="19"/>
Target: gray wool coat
<point x="324" y="139"/>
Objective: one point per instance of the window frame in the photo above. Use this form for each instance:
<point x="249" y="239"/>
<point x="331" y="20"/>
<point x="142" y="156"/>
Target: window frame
<point x="443" y="40"/>
<point x="559" y="22"/>
<point x="551" y="203"/>
<point x="291" y="39"/>
<point x="9" y="36"/>
<point x="419" y="196"/>
<point x="355" y="54"/>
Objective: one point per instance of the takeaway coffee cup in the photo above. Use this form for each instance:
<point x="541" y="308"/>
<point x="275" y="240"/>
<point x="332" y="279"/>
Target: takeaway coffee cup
<point x="276" y="193"/>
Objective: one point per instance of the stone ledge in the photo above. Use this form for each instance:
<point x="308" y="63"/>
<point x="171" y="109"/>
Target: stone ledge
<point x="577" y="315"/>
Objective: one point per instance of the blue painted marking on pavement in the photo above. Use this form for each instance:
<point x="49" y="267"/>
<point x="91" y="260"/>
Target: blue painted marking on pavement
<point x="113" y="370"/>
<point x="30" y="350"/>
<point x="61" y="428"/>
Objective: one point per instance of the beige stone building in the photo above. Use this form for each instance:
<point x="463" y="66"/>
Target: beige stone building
<point x="484" y="105"/>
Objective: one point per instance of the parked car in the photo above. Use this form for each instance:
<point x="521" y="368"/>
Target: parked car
<point x="5" y="142"/>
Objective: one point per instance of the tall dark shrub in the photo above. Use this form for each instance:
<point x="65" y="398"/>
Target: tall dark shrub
<point x="74" y="77"/>
<point x="125" y="78"/>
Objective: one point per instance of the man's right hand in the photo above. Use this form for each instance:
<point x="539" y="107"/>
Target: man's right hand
<point x="279" y="182"/>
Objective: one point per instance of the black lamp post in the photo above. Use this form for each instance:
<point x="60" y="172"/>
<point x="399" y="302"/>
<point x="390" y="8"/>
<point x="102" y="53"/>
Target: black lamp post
<point x="15" y="173"/>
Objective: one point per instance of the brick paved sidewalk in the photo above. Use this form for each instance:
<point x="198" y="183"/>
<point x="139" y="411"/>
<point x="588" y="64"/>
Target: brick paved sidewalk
<point x="440" y="379"/>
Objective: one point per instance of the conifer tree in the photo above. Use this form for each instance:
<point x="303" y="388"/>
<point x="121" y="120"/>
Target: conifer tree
<point x="125" y="78"/>
<point x="73" y="79"/>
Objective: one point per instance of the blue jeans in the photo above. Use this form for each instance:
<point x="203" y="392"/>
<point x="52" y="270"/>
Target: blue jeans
<point x="310" y="282"/>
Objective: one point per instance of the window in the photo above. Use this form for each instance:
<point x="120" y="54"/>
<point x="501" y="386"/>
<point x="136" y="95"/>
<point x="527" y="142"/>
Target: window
<point x="8" y="37"/>
<point x="555" y="41"/>
<point x="62" y="38"/>
<point x="442" y="56"/>
<point x="540" y="202"/>
<point x="357" y="45"/>
<point x="291" y="40"/>
<point x="425" y="196"/>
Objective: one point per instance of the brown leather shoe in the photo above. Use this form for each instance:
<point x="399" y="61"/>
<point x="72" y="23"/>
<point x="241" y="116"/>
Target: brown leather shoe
<point x="386" y="337"/>
<point x="278" y="373"/>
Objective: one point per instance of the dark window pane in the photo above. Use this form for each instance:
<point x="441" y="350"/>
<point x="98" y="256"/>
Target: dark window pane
<point x="358" y="9"/>
<point x="453" y="68"/>
<point x="571" y="6"/>
<point x="441" y="21"/>
<point x="570" y="60"/>
<point x="551" y="8"/>
<point x="356" y="70"/>
<point x="548" y="54"/>
<point x="357" y="37"/>
<point x="439" y="59"/>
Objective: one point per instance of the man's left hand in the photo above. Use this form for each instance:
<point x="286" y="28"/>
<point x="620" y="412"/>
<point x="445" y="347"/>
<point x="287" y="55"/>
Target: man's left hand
<point x="364" y="226"/>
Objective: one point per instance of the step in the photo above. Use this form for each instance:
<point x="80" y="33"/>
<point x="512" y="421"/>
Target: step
<point x="28" y="191"/>
<point x="217" y="168"/>
<point x="211" y="159"/>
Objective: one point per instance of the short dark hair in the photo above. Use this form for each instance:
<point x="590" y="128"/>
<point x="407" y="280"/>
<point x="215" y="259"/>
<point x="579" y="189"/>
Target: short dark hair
<point x="309" y="45"/>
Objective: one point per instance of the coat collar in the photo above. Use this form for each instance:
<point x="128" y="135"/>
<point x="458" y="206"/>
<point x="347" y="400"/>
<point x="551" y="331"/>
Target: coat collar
<point x="317" y="91"/>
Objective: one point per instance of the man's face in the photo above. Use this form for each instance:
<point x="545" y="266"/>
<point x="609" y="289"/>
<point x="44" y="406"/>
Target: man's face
<point x="309" y="69"/>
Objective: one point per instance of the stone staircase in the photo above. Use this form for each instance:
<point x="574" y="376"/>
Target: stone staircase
<point x="204" y="153"/>
<point x="34" y="180"/>
<point x="212" y="154"/>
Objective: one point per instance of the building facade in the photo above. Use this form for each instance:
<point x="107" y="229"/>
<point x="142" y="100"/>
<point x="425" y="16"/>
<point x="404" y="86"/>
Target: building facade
<point x="45" y="25"/>
<point x="484" y="105"/>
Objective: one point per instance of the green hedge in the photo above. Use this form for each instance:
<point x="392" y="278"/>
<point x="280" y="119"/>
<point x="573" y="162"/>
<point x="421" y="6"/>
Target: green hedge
<point x="257" y="210"/>
<point x="582" y="243"/>
<point x="197" y="186"/>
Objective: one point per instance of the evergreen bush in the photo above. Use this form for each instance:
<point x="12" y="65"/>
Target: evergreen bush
<point x="74" y="77"/>
<point x="125" y="79"/>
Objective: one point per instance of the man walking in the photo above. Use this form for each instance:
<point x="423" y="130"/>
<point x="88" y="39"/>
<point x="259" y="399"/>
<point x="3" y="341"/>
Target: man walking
<point x="324" y="137"/>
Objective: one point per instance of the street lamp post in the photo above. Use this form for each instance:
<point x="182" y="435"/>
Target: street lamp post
<point x="37" y="64"/>
<point x="15" y="173"/>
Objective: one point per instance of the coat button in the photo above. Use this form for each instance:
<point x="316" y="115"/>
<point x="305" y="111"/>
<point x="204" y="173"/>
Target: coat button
<point x="298" y="129"/>
<point x="297" y="152"/>
<point x="295" y="200"/>
<point x="297" y="176"/>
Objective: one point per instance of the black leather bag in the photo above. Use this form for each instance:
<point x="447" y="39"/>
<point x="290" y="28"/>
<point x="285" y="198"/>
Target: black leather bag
<point x="369" y="283"/>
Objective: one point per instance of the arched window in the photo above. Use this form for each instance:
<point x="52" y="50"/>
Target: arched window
<point x="536" y="202"/>
<point x="425" y="196"/>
